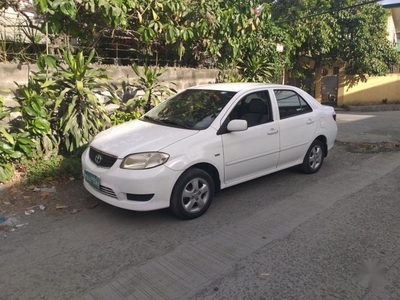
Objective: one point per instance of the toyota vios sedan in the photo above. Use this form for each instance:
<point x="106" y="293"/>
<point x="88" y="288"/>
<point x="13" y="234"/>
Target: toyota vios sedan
<point x="204" y="139"/>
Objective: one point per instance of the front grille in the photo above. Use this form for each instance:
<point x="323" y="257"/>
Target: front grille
<point x="101" y="159"/>
<point x="107" y="191"/>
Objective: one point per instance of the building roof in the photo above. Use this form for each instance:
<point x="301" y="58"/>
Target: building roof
<point x="389" y="3"/>
<point x="394" y="5"/>
<point x="396" y="18"/>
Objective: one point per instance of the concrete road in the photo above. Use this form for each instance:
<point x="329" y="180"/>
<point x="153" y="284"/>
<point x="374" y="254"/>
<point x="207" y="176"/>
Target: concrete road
<point x="369" y="127"/>
<point x="332" y="235"/>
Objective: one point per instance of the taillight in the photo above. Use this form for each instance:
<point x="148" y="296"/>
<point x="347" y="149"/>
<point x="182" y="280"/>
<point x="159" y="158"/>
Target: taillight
<point x="334" y="115"/>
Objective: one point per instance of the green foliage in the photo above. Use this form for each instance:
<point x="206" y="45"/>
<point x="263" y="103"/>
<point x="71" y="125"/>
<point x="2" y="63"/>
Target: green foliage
<point x="82" y="17"/>
<point x="149" y="83"/>
<point x="229" y="75"/>
<point x="146" y="91"/>
<point x="60" y="106"/>
<point x="78" y="114"/>
<point x="356" y="37"/>
<point x="14" y="143"/>
<point x="202" y="31"/>
<point x="223" y="32"/>
<point x="7" y="143"/>
<point x="366" y="48"/>
<point x="35" y="117"/>
<point x="256" y="69"/>
<point x="39" y="170"/>
<point x="56" y="168"/>
<point x="76" y="111"/>
<point x="120" y="116"/>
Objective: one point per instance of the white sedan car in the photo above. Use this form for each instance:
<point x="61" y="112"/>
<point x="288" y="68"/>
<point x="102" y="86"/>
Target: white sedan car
<point x="204" y="139"/>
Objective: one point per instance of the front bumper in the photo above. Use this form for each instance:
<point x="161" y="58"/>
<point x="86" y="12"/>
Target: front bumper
<point x="152" y="187"/>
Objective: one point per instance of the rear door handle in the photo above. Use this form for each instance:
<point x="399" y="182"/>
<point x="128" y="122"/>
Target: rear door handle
<point x="272" y="131"/>
<point x="310" y="121"/>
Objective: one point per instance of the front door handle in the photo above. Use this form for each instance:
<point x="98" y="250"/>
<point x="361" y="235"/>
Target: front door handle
<point x="272" y="131"/>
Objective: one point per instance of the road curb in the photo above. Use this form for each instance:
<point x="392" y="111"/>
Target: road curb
<point x="369" y="108"/>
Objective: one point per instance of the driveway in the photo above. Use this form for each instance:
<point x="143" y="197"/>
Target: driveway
<point x="332" y="235"/>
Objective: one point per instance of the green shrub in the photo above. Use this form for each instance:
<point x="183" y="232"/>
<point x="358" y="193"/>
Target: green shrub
<point x="256" y="69"/>
<point x="119" y="116"/>
<point x="229" y="75"/>
<point x="48" y="170"/>
<point x="60" y="104"/>
<point x="61" y="112"/>
<point x="14" y="144"/>
<point x="77" y="113"/>
<point x="35" y="117"/>
<point x="142" y="95"/>
<point x="149" y="82"/>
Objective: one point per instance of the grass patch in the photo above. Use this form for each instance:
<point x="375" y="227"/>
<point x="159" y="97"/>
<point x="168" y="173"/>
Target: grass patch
<point x="55" y="168"/>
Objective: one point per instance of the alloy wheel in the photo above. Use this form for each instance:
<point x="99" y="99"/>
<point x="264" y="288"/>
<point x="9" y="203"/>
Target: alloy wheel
<point x="315" y="158"/>
<point x="195" y="195"/>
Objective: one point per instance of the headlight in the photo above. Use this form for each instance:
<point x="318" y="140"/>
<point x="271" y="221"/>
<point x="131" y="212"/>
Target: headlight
<point x="141" y="161"/>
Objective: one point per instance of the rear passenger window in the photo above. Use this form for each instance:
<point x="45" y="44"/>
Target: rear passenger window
<point x="291" y="104"/>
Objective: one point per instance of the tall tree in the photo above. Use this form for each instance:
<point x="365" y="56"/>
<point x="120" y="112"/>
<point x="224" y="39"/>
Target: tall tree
<point x="329" y="31"/>
<point x="78" y="18"/>
<point x="225" y="32"/>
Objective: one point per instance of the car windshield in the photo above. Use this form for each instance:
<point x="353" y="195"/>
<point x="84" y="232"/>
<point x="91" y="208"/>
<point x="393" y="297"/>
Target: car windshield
<point x="191" y="109"/>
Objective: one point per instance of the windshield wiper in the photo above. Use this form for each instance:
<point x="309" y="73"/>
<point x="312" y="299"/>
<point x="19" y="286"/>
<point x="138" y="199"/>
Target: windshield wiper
<point x="150" y="119"/>
<point x="165" y="121"/>
<point x="170" y="122"/>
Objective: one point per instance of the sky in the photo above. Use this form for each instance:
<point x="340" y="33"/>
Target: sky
<point x="389" y="2"/>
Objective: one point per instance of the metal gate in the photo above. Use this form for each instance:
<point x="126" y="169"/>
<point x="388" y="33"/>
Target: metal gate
<point x="329" y="89"/>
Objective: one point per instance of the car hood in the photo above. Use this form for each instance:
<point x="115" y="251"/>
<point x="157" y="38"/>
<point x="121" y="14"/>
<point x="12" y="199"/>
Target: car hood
<point x="138" y="136"/>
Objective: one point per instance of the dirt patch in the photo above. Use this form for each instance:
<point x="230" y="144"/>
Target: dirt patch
<point x="370" y="147"/>
<point x="64" y="197"/>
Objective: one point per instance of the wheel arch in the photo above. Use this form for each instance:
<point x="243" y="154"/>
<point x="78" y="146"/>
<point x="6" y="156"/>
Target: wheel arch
<point x="324" y="142"/>
<point x="212" y="171"/>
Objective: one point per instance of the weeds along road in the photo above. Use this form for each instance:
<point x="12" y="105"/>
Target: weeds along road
<point x="334" y="234"/>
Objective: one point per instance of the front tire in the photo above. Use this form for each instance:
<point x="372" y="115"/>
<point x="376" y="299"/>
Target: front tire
<point x="314" y="158"/>
<point x="192" y="194"/>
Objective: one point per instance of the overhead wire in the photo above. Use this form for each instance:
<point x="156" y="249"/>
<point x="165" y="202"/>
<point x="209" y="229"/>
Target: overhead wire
<point x="330" y="11"/>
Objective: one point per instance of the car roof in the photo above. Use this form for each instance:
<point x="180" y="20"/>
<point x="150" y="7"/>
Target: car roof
<point x="235" y="86"/>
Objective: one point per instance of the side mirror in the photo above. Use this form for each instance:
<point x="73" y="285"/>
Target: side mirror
<point x="237" y="125"/>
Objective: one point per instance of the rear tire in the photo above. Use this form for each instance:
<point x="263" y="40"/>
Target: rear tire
<point x="192" y="194"/>
<point x="314" y="158"/>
